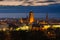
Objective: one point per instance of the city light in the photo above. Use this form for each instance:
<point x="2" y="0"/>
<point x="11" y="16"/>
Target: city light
<point x="4" y="29"/>
<point x="56" y="26"/>
<point x="23" y="28"/>
<point x="46" y="26"/>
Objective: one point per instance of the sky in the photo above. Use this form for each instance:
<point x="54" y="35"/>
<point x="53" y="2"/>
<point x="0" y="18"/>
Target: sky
<point x="25" y="6"/>
<point x="23" y="11"/>
<point x="28" y="2"/>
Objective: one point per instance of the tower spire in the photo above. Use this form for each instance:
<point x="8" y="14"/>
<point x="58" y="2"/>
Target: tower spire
<point x="47" y="17"/>
<point x="31" y="17"/>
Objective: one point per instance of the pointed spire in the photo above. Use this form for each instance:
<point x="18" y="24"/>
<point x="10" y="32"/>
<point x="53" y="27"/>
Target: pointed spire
<point x="46" y="16"/>
<point x="31" y="17"/>
<point x="31" y="11"/>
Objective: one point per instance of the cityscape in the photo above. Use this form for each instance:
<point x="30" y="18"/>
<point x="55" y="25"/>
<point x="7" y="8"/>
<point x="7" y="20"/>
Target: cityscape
<point x="29" y="28"/>
<point x="29" y="19"/>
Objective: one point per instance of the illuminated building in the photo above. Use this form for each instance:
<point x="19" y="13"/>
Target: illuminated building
<point x="21" y="20"/>
<point x="24" y="27"/>
<point x="56" y="26"/>
<point x="31" y="17"/>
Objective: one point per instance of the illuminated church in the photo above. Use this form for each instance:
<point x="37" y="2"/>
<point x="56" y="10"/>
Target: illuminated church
<point x="29" y="19"/>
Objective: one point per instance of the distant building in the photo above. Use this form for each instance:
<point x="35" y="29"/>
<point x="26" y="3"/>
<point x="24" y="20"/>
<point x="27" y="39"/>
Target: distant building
<point x="31" y="17"/>
<point x="21" y="20"/>
<point x="4" y="26"/>
<point x="47" y="17"/>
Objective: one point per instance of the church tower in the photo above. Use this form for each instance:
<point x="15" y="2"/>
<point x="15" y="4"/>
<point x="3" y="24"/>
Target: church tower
<point x="21" y="20"/>
<point x="31" y="17"/>
<point x="47" y="17"/>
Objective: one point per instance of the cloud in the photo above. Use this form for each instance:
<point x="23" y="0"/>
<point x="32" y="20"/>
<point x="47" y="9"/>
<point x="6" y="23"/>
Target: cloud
<point x="28" y="2"/>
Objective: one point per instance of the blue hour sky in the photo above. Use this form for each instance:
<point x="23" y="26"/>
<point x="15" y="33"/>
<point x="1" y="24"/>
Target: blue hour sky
<point x="22" y="11"/>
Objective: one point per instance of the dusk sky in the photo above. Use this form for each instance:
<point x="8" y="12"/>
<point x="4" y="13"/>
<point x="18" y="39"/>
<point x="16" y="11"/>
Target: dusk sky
<point x="53" y="9"/>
